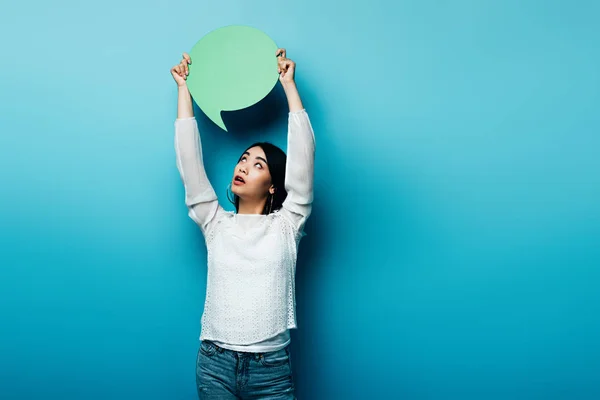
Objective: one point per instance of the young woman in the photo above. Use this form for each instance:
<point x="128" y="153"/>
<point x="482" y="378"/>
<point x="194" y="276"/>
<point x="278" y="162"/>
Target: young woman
<point x="250" y="301"/>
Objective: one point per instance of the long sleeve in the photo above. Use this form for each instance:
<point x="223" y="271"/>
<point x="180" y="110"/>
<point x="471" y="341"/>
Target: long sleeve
<point x="299" y="174"/>
<point x="200" y="198"/>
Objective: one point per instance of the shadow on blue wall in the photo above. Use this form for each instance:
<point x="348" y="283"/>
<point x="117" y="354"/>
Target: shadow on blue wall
<point x="258" y="119"/>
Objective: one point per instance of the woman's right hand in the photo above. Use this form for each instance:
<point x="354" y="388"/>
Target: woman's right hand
<point x="181" y="71"/>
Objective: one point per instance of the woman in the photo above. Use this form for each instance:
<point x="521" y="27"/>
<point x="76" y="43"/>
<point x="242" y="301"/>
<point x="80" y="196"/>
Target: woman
<point x="250" y="291"/>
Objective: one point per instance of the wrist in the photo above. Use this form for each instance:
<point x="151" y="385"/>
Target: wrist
<point x="291" y="85"/>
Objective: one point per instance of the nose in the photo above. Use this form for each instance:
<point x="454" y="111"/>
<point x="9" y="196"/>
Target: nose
<point x="242" y="169"/>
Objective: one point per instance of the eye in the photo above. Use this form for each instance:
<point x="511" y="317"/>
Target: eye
<point x="243" y="159"/>
<point x="258" y="165"/>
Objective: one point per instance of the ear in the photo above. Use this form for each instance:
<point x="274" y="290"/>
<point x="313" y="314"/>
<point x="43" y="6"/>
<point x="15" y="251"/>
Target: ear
<point x="272" y="190"/>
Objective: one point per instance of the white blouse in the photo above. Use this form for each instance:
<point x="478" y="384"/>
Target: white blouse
<point x="250" y="289"/>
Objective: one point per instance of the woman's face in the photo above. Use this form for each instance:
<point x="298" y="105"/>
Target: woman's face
<point x="251" y="176"/>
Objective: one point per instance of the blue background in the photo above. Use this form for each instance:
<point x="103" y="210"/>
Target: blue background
<point x="454" y="248"/>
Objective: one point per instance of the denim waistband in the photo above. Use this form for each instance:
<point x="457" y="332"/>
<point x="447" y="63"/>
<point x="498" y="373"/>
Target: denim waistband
<point x="242" y="354"/>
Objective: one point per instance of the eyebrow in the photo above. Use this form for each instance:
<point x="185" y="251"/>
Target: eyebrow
<point x="258" y="158"/>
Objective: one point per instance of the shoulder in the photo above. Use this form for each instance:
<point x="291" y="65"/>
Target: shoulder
<point x="216" y="223"/>
<point x="225" y="216"/>
<point x="288" y="224"/>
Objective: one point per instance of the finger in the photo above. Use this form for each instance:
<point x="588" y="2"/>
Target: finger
<point x="185" y="67"/>
<point x="280" y="53"/>
<point x="286" y="64"/>
<point x="187" y="58"/>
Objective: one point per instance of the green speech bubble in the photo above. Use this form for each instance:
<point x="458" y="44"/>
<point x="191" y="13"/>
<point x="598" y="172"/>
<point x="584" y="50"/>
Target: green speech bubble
<point x="232" y="68"/>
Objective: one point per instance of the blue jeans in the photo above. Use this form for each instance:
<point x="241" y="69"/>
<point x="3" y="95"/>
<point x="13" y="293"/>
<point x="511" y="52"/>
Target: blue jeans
<point x="226" y="374"/>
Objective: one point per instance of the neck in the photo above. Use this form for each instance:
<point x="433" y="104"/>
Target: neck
<point x="251" y="207"/>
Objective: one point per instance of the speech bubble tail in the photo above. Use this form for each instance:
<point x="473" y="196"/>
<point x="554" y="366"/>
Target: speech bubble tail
<point x="215" y="116"/>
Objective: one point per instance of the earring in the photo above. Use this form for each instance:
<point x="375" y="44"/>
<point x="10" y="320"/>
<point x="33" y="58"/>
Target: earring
<point x="271" y="203"/>
<point x="230" y="195"/>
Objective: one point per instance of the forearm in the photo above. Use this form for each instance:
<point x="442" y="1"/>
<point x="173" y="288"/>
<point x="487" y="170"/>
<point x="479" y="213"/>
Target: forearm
<point x="190" y="162"/>
<point x="184" y="103"/>
<point x="300" y="167"/>
<point x="293" y="97"/>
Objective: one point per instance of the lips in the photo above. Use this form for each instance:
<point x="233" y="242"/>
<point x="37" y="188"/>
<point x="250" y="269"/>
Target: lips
<point x="238" y="180"/>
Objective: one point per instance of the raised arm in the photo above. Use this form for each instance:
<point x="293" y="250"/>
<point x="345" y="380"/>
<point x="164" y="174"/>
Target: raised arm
<point x="299" y="173"/>
<point x="200" y="198"/>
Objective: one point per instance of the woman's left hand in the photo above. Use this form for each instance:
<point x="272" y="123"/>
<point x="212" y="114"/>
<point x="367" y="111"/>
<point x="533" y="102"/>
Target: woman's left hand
<point x="285" y="67"/>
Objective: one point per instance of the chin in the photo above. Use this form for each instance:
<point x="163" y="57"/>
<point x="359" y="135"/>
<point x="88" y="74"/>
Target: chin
<point x="235" y="189"/>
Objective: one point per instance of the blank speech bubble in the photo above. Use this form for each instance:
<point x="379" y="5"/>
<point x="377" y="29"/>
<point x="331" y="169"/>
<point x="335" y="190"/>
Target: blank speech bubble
<point x="232" y="68"/>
